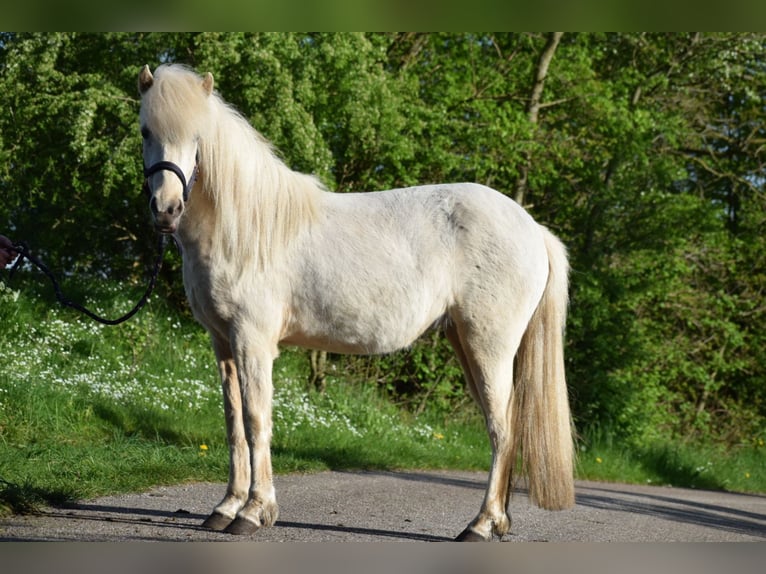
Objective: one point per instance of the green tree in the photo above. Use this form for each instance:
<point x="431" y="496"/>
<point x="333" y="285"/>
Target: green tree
<point x="660" y="321"/>
<point x="71" y="171"/>
<point x="644" y="152"/>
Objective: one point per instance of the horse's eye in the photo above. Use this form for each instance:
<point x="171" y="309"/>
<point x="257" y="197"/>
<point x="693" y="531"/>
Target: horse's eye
<point x="145" y="133"/>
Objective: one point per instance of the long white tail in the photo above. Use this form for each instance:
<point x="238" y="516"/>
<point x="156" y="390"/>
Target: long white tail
<point x="541" y="422"/>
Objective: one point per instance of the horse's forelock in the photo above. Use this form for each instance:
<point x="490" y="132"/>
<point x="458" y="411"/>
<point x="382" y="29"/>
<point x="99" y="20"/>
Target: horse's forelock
<point x="176" y="104"/>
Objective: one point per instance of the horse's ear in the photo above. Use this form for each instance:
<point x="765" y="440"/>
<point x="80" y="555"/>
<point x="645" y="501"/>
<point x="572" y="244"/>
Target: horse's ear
<point x="145" y="80"/>
<point x="207" y="83"/>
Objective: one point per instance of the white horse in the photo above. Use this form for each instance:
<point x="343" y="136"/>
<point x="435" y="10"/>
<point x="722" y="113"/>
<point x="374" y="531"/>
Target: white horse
<point x="271" y="258"/>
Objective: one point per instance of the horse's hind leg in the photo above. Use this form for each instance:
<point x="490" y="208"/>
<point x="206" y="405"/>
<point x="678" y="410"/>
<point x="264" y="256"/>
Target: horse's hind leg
<point x="239" y="453"/>
<point x="451" y="332"/>
<point x="488" y="371"/>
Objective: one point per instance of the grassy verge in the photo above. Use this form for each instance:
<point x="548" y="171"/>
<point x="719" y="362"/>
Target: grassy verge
<point x="741" y="469"/>
<point x="60" y="445"/>
<point x="87" y="410"/>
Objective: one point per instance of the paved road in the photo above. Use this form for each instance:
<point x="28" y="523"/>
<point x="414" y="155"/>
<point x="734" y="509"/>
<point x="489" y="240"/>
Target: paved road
<point x="405" y="506"/>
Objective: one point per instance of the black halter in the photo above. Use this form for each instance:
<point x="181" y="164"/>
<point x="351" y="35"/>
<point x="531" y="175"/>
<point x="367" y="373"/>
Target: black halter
<point x="170" y="166"/>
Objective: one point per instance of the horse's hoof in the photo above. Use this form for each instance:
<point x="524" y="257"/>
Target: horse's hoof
<point x="470" y="535"/>
<point x="216" y="522"/>
<point x="241" y="526"/>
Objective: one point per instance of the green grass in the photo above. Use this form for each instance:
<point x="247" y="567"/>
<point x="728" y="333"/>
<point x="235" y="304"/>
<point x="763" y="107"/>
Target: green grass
<point x="88" y="410"/>
<point x="741" y="468"/>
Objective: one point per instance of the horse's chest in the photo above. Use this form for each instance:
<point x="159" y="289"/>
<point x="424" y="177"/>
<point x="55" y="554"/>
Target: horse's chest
<point x="209" y="295"/>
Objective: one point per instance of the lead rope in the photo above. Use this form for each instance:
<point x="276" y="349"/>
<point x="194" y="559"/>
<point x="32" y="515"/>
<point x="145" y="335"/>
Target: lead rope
<point x="24" y="253"/>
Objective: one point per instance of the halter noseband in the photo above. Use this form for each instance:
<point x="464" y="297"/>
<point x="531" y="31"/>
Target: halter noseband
<point x="170" y="166"/>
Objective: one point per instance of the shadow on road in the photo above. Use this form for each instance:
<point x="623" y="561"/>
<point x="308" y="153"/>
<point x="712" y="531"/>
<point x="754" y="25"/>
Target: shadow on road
<point x="182" y="520"/>
<point x="392" y="534"/>
<point x="478" y="484"/>
<point x="674" y="509"/>
<point x="683" y="513"/>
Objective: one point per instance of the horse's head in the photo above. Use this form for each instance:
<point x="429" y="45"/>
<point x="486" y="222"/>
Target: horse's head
<point x="172" y="108"/>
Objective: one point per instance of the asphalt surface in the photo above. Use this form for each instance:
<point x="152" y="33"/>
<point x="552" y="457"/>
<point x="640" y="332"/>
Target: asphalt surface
<point x="426" y="506"/>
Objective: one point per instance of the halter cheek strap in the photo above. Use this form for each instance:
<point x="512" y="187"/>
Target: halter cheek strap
<point x="170" y="166"/>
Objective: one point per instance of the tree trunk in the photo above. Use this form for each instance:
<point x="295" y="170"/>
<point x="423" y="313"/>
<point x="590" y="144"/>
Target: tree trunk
<point x="533" y="106"/>
<point x="317" y="378"/>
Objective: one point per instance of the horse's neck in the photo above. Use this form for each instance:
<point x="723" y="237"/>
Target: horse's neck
<point x="255" y="228"/>
<point x="196" y="231"/>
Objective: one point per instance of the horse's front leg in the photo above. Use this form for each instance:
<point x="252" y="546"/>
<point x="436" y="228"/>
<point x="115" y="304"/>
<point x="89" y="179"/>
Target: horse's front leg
<point x="239" y="453"/>
<point x="255" y="365"/>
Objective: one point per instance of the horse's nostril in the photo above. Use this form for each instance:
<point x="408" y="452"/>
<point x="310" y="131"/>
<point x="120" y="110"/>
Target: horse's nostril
<point x="173" y="210"/>
<point x="170" y="210"/>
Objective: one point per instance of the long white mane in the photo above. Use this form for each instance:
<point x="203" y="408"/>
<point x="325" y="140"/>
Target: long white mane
<point x="260" y="203"/>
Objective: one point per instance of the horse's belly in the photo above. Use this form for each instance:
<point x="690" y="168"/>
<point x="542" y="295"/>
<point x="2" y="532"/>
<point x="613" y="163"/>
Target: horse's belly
<point x="356" y="346"/>
<point x="364" y="327"/>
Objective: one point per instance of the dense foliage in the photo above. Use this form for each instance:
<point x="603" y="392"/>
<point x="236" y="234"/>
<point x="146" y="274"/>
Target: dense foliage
<point x="644" y="152"/>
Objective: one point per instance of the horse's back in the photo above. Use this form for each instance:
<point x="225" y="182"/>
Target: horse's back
<point x="457" y="215"/>
<point x="379" y="268"/>
<point x="468" y="227"/>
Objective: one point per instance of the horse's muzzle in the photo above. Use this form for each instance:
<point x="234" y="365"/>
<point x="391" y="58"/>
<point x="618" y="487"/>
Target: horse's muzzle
<point x="166" y="220"/>
<point x="166" y="223"/>
<point x="165" y="229"/>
